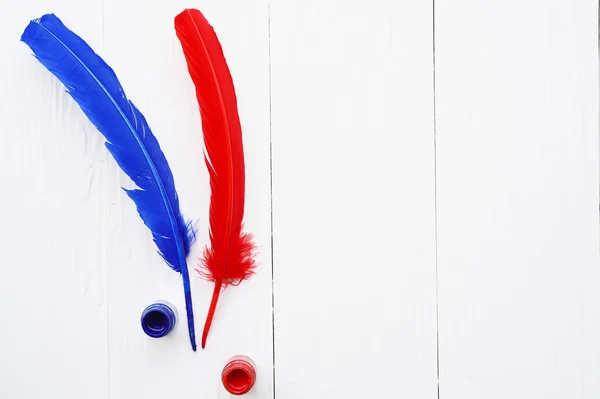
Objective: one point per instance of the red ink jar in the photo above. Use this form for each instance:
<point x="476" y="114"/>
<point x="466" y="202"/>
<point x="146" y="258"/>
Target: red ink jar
<point x="239" y="375"/>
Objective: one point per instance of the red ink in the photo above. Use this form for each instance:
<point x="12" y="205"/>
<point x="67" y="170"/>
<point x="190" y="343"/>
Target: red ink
<point x="239" y="375"/>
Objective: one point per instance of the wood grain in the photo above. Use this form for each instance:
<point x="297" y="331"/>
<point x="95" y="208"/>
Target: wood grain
<point x="517" y="140"/>
<point x="353" y="199"/>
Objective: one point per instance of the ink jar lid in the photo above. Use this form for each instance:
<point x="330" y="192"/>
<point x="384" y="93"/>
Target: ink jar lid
<point x="239" y="375"/>
<point x="159" y="319"/>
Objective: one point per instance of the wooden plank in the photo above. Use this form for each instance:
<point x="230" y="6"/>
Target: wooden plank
<point x="142" y="46"/>
<point x="353" y="199"/>
<point x="53" y="340"/>
<point x="517" y="168"/>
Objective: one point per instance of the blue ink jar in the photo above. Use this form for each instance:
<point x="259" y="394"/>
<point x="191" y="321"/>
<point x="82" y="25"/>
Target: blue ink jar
<point x="159" y="319"/>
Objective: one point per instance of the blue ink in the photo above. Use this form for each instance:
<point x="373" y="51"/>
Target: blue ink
<point x="159" y="319"/>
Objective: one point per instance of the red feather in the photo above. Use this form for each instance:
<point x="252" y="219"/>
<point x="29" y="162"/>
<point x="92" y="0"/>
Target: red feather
<point x="229" y="260"/>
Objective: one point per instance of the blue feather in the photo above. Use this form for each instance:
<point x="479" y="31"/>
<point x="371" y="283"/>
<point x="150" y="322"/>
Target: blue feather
<point x="95" y="87"/>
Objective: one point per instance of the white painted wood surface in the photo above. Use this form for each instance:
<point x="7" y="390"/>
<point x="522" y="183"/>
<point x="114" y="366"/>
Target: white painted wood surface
<point x="97" y="267"/>
<point x="53" y="278"/>
<point x="353" y="199"/>
<point x="151" y="65"/>
<point x="337" y="98"/>
<point x="517" y="179"/>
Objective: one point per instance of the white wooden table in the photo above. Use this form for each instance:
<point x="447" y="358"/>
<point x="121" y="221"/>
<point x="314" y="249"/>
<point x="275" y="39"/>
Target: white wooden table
<point x="428" y="225"/>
